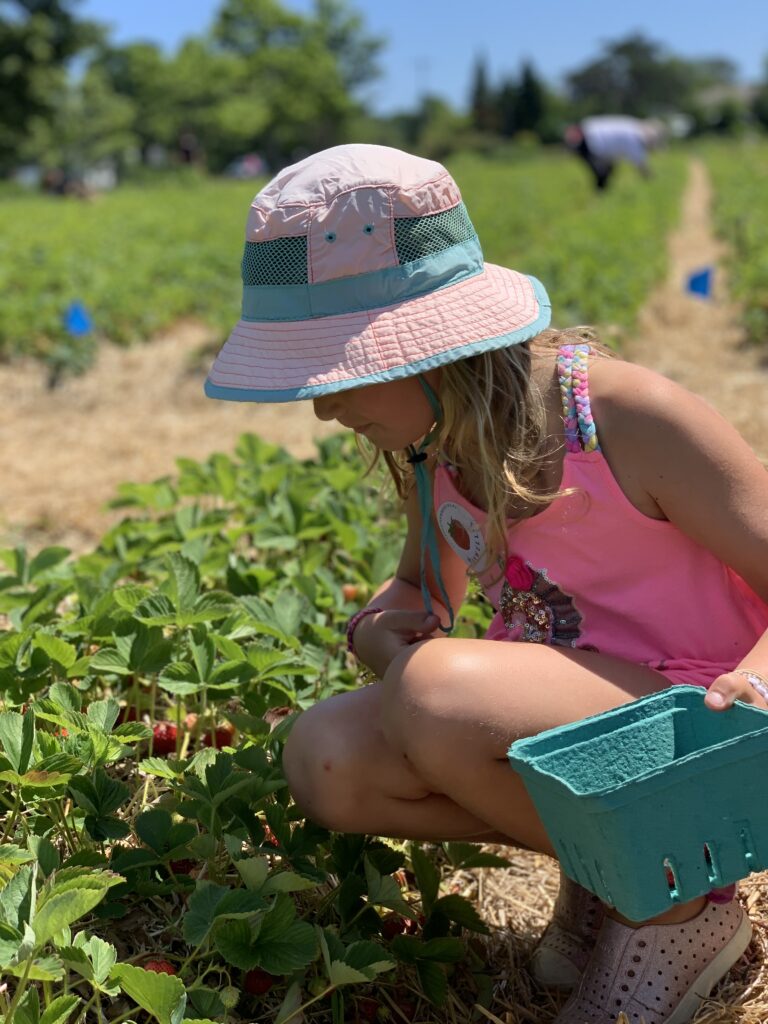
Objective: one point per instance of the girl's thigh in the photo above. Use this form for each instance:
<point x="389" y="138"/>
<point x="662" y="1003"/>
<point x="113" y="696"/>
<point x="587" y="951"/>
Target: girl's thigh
<point x="491" y="693"/>
<point x="451" y="708"/>
<point x="441" y="721"/>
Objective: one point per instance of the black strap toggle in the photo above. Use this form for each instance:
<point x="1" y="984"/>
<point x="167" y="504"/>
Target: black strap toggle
<point x="416" y="457"/>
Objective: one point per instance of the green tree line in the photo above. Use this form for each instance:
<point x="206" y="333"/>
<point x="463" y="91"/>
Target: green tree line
<point x="268" y="79"/>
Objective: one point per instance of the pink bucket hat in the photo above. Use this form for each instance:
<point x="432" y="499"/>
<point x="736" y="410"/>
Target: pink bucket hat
<point x="361" y="265"/>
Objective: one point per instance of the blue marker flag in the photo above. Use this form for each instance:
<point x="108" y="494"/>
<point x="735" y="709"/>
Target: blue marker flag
<point x="700" y="282"/>
<point x="77" y="320"/>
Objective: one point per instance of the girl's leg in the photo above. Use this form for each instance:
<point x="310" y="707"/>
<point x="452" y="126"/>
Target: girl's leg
<point x="346" y="776"/>
<point x="422" y="754"/>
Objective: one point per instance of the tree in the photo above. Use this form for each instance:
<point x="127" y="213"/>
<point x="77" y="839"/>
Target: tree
<point x="88" y="123"/>
<point x="141" y="74"/>
<point x="530" y="101"/>
<point x="481" y="99"/>
<point x="299" y="69"/>
<point x="760" y="100"/>
<point x="633" y="76"/>
<point x="38" y="38"/>
<point x="506" y="107"/>
<point x="342" y="32"/>
<point x="637" y="76"/>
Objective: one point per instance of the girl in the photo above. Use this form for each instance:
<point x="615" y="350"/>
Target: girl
<point x="615" y="521"/>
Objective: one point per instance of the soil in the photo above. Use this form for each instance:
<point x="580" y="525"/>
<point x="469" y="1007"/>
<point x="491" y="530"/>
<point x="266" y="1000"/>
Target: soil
<point x="127" y="419"/>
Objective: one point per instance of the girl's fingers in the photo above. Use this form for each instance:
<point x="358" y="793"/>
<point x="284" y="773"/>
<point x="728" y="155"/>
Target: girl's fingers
<point x="736" y="686"/>
<point x="719" y="696"/>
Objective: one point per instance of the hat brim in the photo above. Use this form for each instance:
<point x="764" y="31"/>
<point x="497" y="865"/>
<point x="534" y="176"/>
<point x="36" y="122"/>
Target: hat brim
<point x="285" y="361"/>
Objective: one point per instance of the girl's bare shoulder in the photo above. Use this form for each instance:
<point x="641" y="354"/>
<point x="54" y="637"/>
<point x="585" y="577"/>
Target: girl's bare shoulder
<point x="626" y="397"/>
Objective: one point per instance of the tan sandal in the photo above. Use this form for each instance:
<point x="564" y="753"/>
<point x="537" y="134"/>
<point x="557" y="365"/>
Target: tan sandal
<point x="567" y="944"/>
<point x="658" y="974"/>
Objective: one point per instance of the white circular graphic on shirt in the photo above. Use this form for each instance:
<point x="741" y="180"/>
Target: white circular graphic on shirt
<point x="462" y="532"/>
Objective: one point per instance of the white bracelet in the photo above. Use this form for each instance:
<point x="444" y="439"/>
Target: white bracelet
<point x="757" y="682"/>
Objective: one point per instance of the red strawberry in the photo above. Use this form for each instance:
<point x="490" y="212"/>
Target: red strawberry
<point x="392" y="925"/>
<point x="257" y="982"/>
<point x="270" y="839"/>
<point x="274" y="716"/>
<point x="459" y="534"/>
<point x="164" y="741"/>
<point x="159" y="967"/>
<point x="221" y="737"/>
<point x="367" y="1008"/>
<point x="127" y="714"/>
<point x="181" y="867"/>
<point x="414" y="927"/>
<point x="350" y="591"/>
<point x="407" y="1007"/>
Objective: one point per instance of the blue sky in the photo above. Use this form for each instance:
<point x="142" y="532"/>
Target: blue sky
<point x="431" y="48"/>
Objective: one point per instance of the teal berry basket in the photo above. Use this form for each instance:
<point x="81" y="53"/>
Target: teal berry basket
<point x="655" y="802"/>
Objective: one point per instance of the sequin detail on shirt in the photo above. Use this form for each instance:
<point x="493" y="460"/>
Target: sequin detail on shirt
<point x="535" y="610"/>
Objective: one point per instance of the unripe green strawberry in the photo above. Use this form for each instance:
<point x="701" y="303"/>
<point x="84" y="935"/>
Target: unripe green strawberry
<point x="230" y="997"/>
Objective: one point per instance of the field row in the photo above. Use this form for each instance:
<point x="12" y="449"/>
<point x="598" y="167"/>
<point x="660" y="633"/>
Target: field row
<point x="141" y="258"/>
<point x="741" y="216"/>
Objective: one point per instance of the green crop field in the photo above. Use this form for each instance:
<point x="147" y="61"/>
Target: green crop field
<point x="740" y="178"/>
<point x="143" y="257"/>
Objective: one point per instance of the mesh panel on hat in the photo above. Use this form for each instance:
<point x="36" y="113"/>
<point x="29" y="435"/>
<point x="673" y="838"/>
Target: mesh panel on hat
<point x="284" y="260"/>
<point x="278" y="261"/>
<point x="417" y="237"/>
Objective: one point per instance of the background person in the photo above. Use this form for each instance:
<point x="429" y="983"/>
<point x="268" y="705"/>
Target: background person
<point x="603" y="140"/>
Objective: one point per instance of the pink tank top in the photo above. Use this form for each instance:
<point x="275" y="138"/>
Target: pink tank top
<point x="592" y="572"/>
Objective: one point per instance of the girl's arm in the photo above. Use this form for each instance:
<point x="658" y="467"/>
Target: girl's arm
<point x="676" y="458"/>
<point x="379" y="637"/>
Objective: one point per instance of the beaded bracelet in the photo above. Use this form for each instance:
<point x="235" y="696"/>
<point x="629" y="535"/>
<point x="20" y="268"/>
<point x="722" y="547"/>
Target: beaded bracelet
<point x="756" y="681"/>
<point x="353" y="624"/>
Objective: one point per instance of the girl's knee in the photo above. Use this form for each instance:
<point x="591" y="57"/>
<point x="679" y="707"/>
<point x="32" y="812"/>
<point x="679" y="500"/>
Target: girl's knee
<point x="325" y="768"/>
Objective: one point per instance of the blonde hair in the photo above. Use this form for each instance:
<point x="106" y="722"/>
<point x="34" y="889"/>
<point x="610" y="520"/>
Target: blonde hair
<point x="494" y="429"/>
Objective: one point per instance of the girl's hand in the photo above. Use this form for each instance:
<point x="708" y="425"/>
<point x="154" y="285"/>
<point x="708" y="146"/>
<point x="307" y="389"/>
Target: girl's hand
<point x="379" y="638"/>
<point x="741" y="684"/>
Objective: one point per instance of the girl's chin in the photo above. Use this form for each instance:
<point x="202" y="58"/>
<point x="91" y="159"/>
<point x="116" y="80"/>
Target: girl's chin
<point x="385" y="440"/>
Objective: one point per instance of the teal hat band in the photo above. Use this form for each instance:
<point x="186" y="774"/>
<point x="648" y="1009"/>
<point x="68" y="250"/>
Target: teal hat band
<point x="264" y="303"/>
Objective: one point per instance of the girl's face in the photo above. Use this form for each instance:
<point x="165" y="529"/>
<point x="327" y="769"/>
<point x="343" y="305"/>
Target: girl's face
<point x="391" y="415"/>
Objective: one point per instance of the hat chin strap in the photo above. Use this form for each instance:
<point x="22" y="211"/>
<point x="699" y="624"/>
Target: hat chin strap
<point x="428" y="541"/>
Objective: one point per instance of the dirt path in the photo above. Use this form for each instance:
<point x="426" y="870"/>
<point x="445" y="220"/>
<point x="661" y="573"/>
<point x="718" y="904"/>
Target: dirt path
<point x="63" y="452"/>
<point x="698" y="342"/>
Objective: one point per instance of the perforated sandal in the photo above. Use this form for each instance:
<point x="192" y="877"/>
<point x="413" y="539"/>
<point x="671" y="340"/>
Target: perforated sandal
<point x="567" y="944"/>
<point x="658" y="974"/>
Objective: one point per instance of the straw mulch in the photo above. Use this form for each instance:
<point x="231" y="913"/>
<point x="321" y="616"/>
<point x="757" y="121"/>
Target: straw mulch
<point x="516" y="903"/>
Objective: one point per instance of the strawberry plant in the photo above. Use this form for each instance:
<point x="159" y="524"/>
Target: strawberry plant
<point x="740" y="180"/>
<point x="153" y="866"/>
